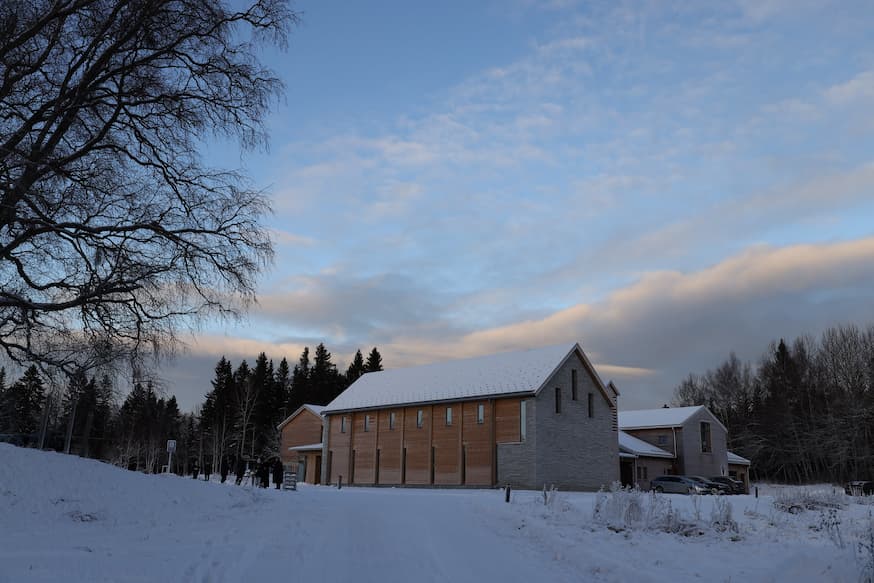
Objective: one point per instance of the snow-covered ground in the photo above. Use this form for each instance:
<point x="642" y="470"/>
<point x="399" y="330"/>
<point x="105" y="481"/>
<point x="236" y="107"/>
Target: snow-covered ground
<point x="67" y="519"/>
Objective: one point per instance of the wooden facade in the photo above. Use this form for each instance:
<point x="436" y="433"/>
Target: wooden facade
<point x="302" y="429"/>
<point x="440" y="444"/>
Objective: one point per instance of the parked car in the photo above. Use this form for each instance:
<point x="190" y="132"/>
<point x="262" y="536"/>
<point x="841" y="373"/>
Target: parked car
<point x="735" y="486"/>
<point x="678" y="485"/>
<point x="859" y="488"/>
<point x="713" y="487"/>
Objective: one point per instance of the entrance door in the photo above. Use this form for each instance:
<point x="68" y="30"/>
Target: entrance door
<point x="318" y="479"/>
<point x="626" y="472"/>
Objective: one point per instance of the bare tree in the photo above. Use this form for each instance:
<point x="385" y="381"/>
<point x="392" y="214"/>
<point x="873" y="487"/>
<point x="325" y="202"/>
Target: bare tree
<point x="113" y="232"/>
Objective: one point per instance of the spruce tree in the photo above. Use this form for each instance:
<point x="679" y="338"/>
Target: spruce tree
<point x="300" y="382"/>
<point x="26" y="396"/>
<point x="356" y="368"/>
<point x="374" y="361"/>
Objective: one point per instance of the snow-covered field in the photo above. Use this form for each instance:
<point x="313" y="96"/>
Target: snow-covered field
<point x="72" y="520"/>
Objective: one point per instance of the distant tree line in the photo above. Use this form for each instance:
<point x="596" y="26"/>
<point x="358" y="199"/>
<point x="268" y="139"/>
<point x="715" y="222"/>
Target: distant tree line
<point x="237" y="419"/>
<point x="804" y="413"/>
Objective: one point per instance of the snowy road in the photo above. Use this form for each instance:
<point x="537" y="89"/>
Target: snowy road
<point x="369" y="535"/>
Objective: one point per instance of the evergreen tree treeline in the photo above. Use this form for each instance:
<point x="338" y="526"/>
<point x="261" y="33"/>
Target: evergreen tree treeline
<point x="236" y="421"/>
<point x="805" y="413"/>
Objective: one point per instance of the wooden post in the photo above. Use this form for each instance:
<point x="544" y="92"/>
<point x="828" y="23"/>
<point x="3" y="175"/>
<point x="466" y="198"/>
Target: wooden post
<point x="757" y="491"/>
<point x="507" y="494"/>
<point x="340" y="482"/>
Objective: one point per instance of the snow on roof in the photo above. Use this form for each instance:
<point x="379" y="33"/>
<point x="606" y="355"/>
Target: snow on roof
<point x="305" y="447"/>
<point x="733" y="458"/>
<point x="662" y="417"/>
<point x="630" y="444"/>
<point x="485" y="376"/>
<point x="314" y="409"/>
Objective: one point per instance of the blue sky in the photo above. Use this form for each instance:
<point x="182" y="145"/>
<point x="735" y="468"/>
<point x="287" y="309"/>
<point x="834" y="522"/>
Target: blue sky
<point x="662" y="182"/>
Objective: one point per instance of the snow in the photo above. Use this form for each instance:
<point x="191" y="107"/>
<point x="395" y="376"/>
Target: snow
<point x="311" y="447"/>
<point x="314" y="409"/>
<point x="662" y="417"/>
<point x="733" y="458"/>
<point x="497" y="374"/>
<point x="67" y="519"/>
<point x="631" y="444"/>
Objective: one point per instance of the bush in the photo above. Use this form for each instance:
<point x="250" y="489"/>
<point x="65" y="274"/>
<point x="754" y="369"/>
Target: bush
<point x="797" y="501"/>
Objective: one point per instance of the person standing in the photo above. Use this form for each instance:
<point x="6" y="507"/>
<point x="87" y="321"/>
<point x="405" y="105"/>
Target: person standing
<point x="223" y="469"/>
<point x="264" y="473"/>
<point x="278" y="471"/>
<point x="240" y="470"/>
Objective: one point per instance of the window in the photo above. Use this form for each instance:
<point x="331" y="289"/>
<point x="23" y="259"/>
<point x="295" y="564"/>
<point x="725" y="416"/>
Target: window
<point x="573" y="384"/>
<point x="480" y="413"/>
<point x="420" y="418"/>
<point x="557" y="400"/>
<point x="343" y="424"/>
<point x="705" y="437"/>
<point x="448" y="416"/>
<point x="523" y="420"/>
<point x="645" y="473"/>
<point x="663" y="440"/>
<point x="639" y="473"/>
<point x="367" y="423"/>
<point x="391" y="421"/>
<point x="591" y="404"/>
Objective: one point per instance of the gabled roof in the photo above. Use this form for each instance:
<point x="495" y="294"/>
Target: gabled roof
<point x="733" y="458"/>
<point x="508" y="373"/>
<point x="662" y="417"/>
<point x="638" y="447"/>
<point x="314" y="409"/>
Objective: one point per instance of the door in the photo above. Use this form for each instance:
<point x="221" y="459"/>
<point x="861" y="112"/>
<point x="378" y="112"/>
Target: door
<point x="318" y="479"/>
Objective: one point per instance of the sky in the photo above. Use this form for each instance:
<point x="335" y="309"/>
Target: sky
<point x="662" y="182"/>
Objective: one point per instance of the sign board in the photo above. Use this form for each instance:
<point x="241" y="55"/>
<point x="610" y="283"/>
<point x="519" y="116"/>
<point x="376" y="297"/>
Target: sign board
<point x="171" y="445"/>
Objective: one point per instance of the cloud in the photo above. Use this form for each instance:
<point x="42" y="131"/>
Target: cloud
<point x="858" y="89"/>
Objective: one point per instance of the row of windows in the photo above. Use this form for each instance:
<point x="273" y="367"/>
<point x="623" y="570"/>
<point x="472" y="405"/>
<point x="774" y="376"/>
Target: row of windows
<point x="420" y="418"/>
<point x="590" y="399"/>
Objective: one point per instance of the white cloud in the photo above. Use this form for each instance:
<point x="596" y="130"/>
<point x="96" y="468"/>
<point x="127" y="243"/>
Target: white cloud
<point x="858" y="89"/>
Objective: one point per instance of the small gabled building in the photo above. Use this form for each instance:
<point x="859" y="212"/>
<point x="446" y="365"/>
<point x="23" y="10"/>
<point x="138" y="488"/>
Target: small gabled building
<point x="739" y="469"/>
<point x="530" y="418"/>
<point x="640" y="461"/>
<point x="300" y="439"/>
<point x="693" y="435"/>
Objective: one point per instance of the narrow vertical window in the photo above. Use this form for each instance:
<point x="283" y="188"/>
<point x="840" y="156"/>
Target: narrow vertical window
<point x="557" y="400"/>
<point x="391" y="420"/>
<point x="367" y="423"/>
<point x="420" y="417"/>
<point x="523" y="420"/>
<point x="342" y="424"/>
<point x="480" y="413"/>
<point x="591" y="403"/>
<point x="448" y="416"/>
<point x="573" y="384"/>
<point x="705" y="437"/>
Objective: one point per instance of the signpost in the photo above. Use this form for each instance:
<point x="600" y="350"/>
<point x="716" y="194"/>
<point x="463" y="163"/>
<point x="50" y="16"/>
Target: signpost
<point x="171" y="447"/>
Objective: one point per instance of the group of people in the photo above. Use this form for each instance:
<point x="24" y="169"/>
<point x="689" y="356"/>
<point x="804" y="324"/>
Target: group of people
<point x="260" y="471"/>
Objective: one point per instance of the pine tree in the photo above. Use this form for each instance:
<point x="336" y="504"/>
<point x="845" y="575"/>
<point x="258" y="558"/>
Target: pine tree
<point x="282" y="378"/>
<point x="26" y="396"/>
<point x="300" y="382"/>
<point x="356" y="368"/>
<point x="374" y="361"/>
<point x="326" y="382"/>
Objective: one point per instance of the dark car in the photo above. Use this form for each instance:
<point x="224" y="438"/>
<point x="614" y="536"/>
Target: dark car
<point x="678" y="485"/>
<point x="735" y="486"/>
<point x="714" y="487"/>
<point x="859" y="488"/>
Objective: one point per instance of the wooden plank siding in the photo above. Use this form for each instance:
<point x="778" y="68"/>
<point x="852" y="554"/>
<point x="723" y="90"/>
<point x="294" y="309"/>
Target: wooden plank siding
<point x="304" y="429"/>
<point x="507" y="413"/>
<point x="463" y="452"/>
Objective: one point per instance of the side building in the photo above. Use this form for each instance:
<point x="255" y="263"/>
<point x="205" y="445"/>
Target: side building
<point x="300" y="443"/>
<point x="676" y="440"/>
<point x="527" y="418"/>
